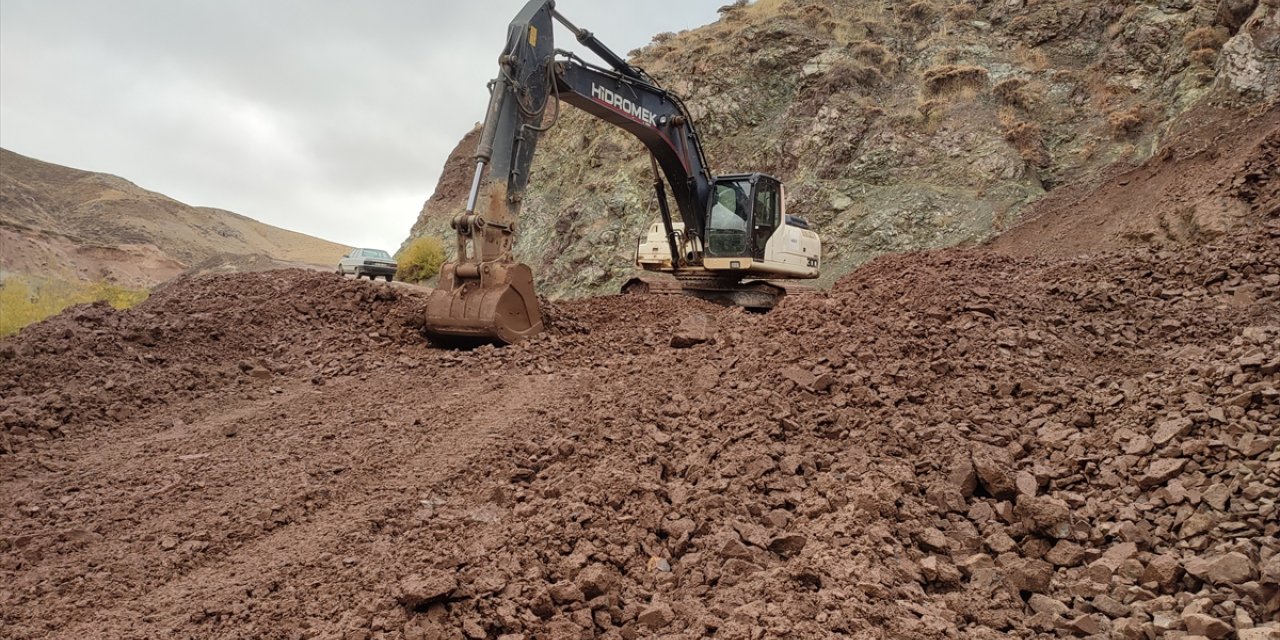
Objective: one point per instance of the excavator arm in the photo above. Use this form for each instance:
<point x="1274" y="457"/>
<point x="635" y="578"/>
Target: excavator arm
<point x="484" y="294"/>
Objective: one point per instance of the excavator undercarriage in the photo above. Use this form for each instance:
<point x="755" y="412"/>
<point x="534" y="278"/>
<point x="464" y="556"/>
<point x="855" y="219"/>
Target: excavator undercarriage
<point x="752" y="295"/>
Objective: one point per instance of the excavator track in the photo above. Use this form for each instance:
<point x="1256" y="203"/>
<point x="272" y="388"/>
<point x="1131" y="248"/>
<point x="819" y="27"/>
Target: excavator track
<point x="753" y="295"/>
<point x="650" y="285"/>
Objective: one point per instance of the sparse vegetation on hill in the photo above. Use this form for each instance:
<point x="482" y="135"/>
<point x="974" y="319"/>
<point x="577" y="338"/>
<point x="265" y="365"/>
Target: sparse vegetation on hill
<point x="86" y="225"/>
<point x="24" y="300"/>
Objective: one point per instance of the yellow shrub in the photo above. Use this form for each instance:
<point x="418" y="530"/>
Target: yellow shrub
<point x="115" y="295"/>
<point x="23" y="301"/>
<point x="421" y="260"/>
<point x="1204" y="57"/>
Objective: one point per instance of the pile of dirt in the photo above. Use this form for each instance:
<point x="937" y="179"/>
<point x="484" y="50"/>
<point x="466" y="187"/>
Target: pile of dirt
<point x="195" y="337"/>
<point x="961" y="444"/>
<point x="1218" y="170"/>
<point x="1076" y="447"/>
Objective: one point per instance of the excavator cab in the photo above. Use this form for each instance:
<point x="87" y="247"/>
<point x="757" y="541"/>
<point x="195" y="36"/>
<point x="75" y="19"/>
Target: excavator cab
<point x="748" y="230"/>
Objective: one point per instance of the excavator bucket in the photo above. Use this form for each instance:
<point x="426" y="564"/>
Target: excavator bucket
<point x="478" y="303"/>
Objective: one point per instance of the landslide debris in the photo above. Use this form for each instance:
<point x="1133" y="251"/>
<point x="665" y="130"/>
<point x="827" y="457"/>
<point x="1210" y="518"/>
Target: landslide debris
<point x="949" y="444"/>
<point x="1219" y="169"/>
<point x="957" y="443"/>
<point x="194" y="337"/>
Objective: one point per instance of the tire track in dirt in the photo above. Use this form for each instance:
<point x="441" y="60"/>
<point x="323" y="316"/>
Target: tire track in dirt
<point x="383" y="465"/>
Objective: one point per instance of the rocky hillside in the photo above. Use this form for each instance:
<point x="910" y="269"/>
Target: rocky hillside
<point x="72" y="224"/>
<point x="896" y="125"/>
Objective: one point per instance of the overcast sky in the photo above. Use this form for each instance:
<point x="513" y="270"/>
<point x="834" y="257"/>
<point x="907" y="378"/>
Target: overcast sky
<point x="333" y="118"/>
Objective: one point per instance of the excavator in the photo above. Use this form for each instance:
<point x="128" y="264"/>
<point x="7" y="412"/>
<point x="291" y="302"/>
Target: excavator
<point x="734" y="242"/>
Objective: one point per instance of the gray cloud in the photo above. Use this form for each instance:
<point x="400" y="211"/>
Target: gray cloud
<point x="330" y="118"/>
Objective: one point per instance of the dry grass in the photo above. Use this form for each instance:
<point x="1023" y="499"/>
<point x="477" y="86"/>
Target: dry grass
<point x="846" y="75"/>
<point x="814" y="15"/>
<point x="1127" y="122"/>
<point x="952" y="80"/>
<point x="962" y="12"/>
<point x="1019" y="93"/>
<point x="877" y="56"/>
<point x="767" y="7"/>
<point x="1101" y="92"/>
<point x="1123" y="21"/>
<point x="950" y="55"/>
<point x="921" y="12"/>
<point x="848" y="30"/>
<point x="24" y="301"/>
<point x="1030" y="59"/>
<point x="934" y="112"/>
<point x="930" y="108"/>
<point x="1027" y="137"/>
<point x="1205" y="38"/>
<point x="1204" y="57"/>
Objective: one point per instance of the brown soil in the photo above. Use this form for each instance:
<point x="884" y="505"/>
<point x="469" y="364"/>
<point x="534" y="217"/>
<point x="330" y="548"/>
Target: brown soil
<point x="957" y="444"/>
<point x="48" y="255"/>
<point x="1219" y="169"/>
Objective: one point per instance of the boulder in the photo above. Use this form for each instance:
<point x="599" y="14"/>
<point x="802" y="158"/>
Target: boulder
<point x="788" y="545"/>
<point x="596" y="580"/>
<point x="656" y="616"/>
<point x="1162" y="570"/>
<point x="694" y="329"/>
<point x="1026" y="574"/>
<point x="1161" y="471"/>
<point x="995" y="473"/>
<point x="1208" y="626"/>
<point x="419" y="590"/>
<point x="1168" y="430"/>
<point x="1228" y="568"/>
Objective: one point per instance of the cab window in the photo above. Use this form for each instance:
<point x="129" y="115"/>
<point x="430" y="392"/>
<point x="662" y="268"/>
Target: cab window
<point x="764" y="216"/>
<point x="727" y="226"/>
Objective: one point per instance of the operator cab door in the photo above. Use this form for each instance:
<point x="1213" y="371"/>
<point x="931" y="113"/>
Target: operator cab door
<point x="745" y="212"/>
<point x="766" y="215"/>
<point x="729" y="219"/>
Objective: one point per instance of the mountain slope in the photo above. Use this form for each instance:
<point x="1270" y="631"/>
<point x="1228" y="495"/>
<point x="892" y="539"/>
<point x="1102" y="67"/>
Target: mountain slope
<point x="1197" y="188"/>
<point x="54" y="218"/>
<point x="896" y="125"/>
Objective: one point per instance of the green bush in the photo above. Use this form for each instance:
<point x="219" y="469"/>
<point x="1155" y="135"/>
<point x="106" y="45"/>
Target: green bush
<point x="421" y="260"/>
<point x="24" y="301"/>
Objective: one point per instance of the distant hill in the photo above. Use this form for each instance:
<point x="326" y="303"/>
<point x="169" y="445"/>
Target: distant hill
<point x="67" y="223"/>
